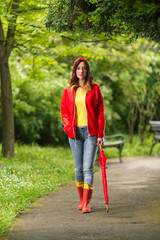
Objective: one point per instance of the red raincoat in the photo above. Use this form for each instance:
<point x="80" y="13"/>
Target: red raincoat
<point x="95" y="112"/>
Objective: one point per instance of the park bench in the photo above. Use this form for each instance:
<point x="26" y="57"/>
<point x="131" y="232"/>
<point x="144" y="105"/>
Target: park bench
<point x="155" y="128"/>
<point x="114" y="141"/>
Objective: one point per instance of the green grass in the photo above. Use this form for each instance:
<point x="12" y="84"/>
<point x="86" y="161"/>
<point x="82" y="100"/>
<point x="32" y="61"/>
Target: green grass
<point x="36" y="171"/>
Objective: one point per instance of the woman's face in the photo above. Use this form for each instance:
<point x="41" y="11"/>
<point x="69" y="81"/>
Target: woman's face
<point x="81" y="71"/>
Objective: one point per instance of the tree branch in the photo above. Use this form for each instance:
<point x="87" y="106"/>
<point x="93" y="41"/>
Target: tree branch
<point x="9" y="4"/>
<point x="1" y="40"/>
<point x="85" y="41"/>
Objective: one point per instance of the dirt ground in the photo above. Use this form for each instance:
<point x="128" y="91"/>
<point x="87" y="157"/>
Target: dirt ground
<point x="134" y="207"/>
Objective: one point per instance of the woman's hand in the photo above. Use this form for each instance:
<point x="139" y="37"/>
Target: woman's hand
<point x="100" y="141"/>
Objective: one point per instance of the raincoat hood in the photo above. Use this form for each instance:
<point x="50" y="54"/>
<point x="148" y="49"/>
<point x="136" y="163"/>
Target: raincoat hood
<point x="81" y="59"/>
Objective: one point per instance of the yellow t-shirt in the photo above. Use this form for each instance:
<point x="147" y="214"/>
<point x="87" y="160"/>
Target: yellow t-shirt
<point x="81" y="112"/>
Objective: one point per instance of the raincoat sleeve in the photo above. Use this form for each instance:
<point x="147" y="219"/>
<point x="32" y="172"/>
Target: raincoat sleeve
<point x="65" y="113"/>
<point x="101" y="115"/>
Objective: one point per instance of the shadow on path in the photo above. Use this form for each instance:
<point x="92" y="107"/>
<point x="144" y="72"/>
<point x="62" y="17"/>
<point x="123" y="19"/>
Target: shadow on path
<point x="134" y="208"/>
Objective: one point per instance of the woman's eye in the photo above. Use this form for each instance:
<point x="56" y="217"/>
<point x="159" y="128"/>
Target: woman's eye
<point x="82" y="68"/>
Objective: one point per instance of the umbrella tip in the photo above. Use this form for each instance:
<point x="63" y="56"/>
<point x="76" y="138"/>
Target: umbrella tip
<point x="107" y="208"/>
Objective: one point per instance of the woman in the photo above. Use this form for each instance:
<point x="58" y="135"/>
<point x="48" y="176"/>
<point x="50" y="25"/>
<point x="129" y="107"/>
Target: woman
<point x="82" y="111"/>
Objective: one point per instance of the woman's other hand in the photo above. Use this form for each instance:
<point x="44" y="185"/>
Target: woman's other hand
<point x="100" y="141"/>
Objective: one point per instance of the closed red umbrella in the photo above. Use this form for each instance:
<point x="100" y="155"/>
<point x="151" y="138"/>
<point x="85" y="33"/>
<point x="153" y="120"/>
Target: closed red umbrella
<point x="103" y="159"/>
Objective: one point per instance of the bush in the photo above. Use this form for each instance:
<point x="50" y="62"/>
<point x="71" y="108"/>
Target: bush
<point x="37" y="113"/>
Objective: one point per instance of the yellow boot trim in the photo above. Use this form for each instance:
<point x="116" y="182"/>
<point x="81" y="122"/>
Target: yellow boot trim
<point x="88" y="186"/>
<point x="79" y="184"/>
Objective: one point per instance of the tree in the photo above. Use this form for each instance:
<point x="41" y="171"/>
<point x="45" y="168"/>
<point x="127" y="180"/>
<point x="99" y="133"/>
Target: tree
<point x="6" y="46"/>
<point x="134" y="17"/>
<point x="12" y="28"/>
<point x="116" y="66"/>
<point x="112" y="18"/>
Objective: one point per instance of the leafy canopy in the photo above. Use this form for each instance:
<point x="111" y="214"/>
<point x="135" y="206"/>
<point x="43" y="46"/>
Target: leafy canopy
<point x="136" y="18"/>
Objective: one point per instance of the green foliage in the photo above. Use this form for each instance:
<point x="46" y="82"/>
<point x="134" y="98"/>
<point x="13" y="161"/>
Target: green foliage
<point x="37" y="102"/>
<point x="122" y="70"/>
<point x="32" y="173"/>
<point x="68" y="15"/>
<point x="136" y="18"/>
<point x="41" y="66"/>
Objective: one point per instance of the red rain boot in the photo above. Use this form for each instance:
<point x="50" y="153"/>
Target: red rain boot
<point x="80" y="191"/>
<point x="87" y="195"/>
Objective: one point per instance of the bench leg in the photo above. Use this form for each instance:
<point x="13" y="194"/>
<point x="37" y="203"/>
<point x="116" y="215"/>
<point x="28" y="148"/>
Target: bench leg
<point x="152" y="148"/>
<point x="120" y="153"/>
<point x="120" y="160"/>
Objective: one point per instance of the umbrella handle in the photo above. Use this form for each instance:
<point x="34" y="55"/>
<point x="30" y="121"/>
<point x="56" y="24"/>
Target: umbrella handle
<point x="100" y="147"/>
<point x="107" y="208"/>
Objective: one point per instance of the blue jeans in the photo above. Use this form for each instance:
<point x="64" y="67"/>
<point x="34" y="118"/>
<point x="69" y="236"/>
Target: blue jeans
<point x="84" y="149"/>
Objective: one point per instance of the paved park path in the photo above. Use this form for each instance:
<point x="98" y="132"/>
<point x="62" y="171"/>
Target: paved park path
<point x="134" y="208"/>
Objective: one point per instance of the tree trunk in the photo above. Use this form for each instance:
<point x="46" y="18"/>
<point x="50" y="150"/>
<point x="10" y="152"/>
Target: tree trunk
<point x="6" y="46"/>
<point x="141" y="126"/>
<point x="132" y="117"/>
<point x="131" y="131"/>
<point x="7" y="110"/>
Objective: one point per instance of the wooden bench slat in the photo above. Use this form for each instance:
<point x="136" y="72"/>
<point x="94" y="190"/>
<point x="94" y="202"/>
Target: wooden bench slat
<point x="116" y="143"/>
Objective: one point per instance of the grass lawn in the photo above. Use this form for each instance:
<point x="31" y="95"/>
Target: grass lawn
<point x="33" y="172"/>
<point x="36" y="171"/>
